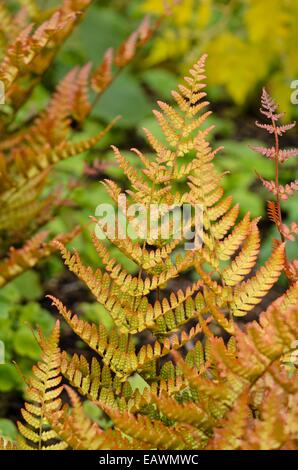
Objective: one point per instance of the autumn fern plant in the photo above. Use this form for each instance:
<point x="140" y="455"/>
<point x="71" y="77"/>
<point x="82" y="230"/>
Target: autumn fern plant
<point x="29" y="149"/>
<point x="208" y="380"/>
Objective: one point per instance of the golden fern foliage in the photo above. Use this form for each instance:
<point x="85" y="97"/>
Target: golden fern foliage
<point x="28" y="151"/>
<point x="228" y="399"/>
<point x="233" y="394"/>
<point x="44" y="390"/>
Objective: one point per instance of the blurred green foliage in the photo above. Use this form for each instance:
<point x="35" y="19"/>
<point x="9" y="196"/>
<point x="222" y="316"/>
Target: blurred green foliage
<point x="8" y="429"/>
<point x="250" y="43"/>
<point x="20" y="313"/>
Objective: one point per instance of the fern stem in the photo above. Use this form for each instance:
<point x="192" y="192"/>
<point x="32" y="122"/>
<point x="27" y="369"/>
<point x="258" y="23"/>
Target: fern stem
<point x="277" y="180"/>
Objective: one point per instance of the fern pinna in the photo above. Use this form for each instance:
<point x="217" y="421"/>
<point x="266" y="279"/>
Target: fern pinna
<point x="29" y="42"/>
<point x="235" y="393"/>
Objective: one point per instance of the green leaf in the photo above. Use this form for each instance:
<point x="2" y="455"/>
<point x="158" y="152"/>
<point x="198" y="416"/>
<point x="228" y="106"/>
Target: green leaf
<point x="124" y="97"/>
<point x="9" y="378"/>
<point x="161" y="82"/>
<point x="137" y="382"/>
<point x="25" y="344"/>
<point x="102" y="28"/>
<point x="249" y="202"/>
<point x="28" y="286"/>
<point x="93" y="411"/>
<point x="4" y="309"/>
<point x="96" y="313"/>
<point x="34" y="314"/>
<point x="7" y="429"/>
<point x="10" y="293"/>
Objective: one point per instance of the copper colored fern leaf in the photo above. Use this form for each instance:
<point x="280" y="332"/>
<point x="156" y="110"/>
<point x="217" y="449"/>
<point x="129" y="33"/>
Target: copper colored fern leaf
<point x="280" y="130"/>
<point x="273" y="213"/>
<point x="284" y="191"/>
<point x="269" y="107"/>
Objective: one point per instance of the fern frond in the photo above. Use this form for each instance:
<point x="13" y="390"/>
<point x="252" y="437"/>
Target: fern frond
<point x="270" y="431"/>
<point x="245" y="260"/>
<point x="30" y="254"/>
<point x="30" y="149"/>
<point x="280" y="192"/>
<point x="44" y="390"/>
<point x="267" y="152"/>
<point x="279" y="129"/>
<point x="273" y="212"/>
<point x="103" y="75"/>
<point x="217" y="314"/>
<point x="152" y="432"/>
<point x="251" y="292"/>
<point x="127" y="315"/>
<point x="230" y="244"/>
<point x="188" y="412"/>
<point x="229" y="389"/>
<point x="147" y="259"/>
<point x="229" y="432"/>
<point x="118" y="350"/>
<point x="269" y="106"/>
<point x="88" y="379"/>
<point x="284" y="155"/>
<point x="81" y="433"/>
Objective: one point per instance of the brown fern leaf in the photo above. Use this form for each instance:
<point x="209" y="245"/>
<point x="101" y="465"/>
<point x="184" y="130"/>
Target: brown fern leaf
<point x="273" y="212"/>
<point x="279" y="156"/>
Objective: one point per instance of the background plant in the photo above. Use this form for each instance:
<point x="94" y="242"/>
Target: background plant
<point x="279" y="156"/>
<point x="232" y="394"/>
<point x="44" y="139"/>
<point x="40" y="128"/>
<point x="236" y="35"/>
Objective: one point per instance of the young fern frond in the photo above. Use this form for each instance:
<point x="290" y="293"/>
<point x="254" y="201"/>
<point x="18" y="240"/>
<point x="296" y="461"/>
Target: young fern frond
<point x="118" y="350"/>
<point x="281" y="192"/>
<point x="126" y="297"/>
<point x="44" y="390"/>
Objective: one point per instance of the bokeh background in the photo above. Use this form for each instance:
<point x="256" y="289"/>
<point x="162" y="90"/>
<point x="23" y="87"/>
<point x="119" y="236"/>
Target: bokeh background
<point x="251" y="43"/>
